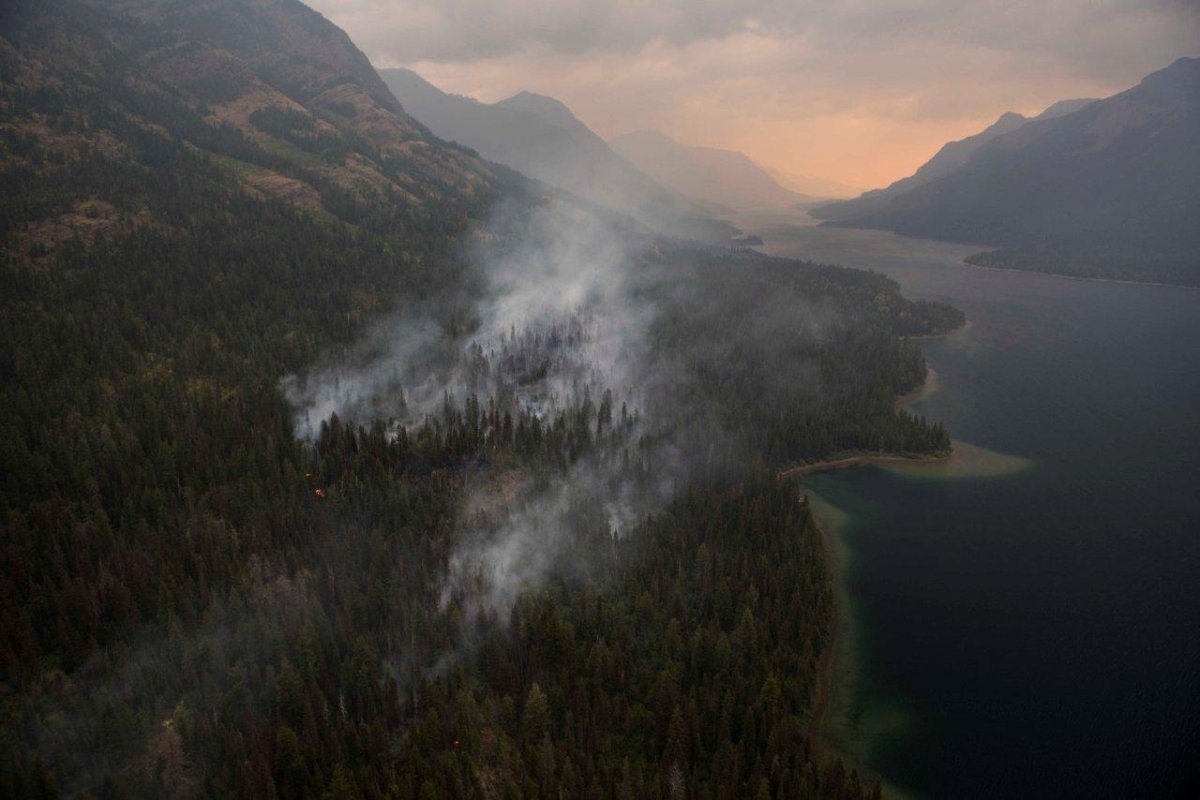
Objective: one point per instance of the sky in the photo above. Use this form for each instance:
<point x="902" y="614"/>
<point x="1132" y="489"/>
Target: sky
<point x="856" y="91"/>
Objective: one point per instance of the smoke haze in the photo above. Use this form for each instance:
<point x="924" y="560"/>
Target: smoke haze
<point x="806" y="88"/>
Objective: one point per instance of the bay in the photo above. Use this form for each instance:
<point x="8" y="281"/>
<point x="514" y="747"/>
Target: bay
<point x="1030" y="629"/>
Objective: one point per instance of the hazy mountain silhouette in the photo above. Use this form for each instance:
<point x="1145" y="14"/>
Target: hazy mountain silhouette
<point x="1108" y="188"/>
<point x="540" y="137"/>
<point x="813" y="187"/>
<point x="706" y="174"/>
<point x="554" y="112"/>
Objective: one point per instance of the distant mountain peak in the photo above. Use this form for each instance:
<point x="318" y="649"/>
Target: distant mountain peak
<point x="1009" y="120"/>
<point x="1185" y="66"/>
<point x="528" y="98"/>
<point x="1064" y="107"/>
<point x="1178" y="81"/>
<point x="551" y="110"/>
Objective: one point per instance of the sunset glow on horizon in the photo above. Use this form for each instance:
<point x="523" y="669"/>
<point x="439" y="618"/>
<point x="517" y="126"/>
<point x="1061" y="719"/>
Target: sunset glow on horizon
<point x="853" y="92"/>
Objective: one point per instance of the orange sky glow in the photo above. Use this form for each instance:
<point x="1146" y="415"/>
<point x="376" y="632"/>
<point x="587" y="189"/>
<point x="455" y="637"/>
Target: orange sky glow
<point x="845" y="90"/>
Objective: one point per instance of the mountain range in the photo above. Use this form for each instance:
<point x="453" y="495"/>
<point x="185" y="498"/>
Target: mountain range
<point x="1105" y="188"/>
<point x="540" y="137"/>
<point x="644" y="173"/>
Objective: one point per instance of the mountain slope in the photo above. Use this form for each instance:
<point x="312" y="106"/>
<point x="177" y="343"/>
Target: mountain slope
<point x="707" y="174"/>
<point x="281" y="100"/>
<point x="540" y="137"/>
<point x="554" y="112"/>
<point x="950" y="157"/>
<point x="1110" y="189"/>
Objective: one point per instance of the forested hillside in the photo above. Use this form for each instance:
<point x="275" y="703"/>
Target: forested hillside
<point x="201" y="199"/>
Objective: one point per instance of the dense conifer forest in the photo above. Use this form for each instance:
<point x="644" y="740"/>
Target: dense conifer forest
<point x="198" y="601"/>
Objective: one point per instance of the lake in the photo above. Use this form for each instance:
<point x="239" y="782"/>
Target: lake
<point x="1032" y="630"/>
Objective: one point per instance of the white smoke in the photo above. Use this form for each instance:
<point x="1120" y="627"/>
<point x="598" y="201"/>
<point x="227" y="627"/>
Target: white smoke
<point x="557" y="266"/>
<point x="559" y="285"/>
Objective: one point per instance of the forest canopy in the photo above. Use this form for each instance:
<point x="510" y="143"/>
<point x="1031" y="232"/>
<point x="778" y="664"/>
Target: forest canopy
<point x="200" y="598"/>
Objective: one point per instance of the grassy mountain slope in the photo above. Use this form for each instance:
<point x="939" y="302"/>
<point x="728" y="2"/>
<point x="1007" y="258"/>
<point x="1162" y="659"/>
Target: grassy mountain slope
<point x="111" y="82"/>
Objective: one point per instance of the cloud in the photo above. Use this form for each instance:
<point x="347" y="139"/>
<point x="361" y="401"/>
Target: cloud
<point x="857" y="90"/>
<point x="475" y="30"/>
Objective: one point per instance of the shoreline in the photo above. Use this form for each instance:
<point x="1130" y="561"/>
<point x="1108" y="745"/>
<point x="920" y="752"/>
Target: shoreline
<point x="930" y="385"/>
<point x="916" y="337"/>
<point x="819" y="716"/>
<point x="864" y="460"/>
<point x="829" y="731"/>
<point x="823" y="689"/>
<point x="1088" y="278"/>
<point x="989" y="249"/>
<point x="815" y="223"/>
<point x="836" y="675"/>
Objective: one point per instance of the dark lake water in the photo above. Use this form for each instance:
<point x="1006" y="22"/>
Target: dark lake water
<point x="1035" y="633"/>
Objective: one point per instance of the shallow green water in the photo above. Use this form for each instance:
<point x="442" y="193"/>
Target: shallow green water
<point x="1028" y="626"/>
